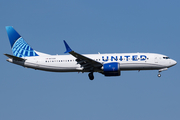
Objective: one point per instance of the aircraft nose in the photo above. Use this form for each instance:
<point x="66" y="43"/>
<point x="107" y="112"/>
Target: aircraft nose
<point x="174" y="62"/>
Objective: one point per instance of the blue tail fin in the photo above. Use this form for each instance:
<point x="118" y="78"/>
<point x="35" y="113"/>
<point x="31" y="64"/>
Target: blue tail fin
<point x="19" y="47"/>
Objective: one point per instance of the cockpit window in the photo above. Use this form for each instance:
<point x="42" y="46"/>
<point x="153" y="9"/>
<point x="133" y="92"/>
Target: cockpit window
<point x="166" y="58"/>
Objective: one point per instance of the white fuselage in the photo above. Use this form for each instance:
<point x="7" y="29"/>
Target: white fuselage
<point x="106" y="64"/>
<point x="68" y="63"/>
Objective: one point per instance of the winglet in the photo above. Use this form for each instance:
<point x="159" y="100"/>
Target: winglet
<point x="68" y="49"/>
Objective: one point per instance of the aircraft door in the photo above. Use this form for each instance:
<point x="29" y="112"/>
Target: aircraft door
<point x="36" y="61"/>
<point x="156" y="59"/>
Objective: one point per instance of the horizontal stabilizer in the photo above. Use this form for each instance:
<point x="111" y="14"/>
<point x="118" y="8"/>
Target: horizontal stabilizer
<point x="14" y="57"/>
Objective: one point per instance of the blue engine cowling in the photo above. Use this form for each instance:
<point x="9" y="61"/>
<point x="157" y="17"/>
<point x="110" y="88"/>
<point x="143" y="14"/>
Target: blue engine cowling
<point x="111" y="69"/>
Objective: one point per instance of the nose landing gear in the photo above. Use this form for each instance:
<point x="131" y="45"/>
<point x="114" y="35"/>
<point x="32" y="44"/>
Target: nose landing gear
<point x="160" y="70"/>
<point x="159" y="75"/>
<point x="91" y="76"/>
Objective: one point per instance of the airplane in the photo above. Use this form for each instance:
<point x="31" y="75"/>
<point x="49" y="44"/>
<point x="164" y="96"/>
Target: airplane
<point x="106" y="64"/>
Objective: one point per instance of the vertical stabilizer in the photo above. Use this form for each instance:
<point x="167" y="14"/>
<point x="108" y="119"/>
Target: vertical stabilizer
<point x="19" y="47"/>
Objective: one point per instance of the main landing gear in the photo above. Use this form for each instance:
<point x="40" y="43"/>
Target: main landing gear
<point x="91" y="76"/>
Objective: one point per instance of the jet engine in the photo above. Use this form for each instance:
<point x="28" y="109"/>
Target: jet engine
<point x="111" y="69"/>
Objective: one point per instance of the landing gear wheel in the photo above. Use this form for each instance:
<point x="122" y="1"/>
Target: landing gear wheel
<point x="91" y="76"/>
<point x="159" y="75"/>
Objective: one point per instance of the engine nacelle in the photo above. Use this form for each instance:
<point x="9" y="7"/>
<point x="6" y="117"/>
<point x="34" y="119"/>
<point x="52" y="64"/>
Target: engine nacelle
<point x="111" y="69"/>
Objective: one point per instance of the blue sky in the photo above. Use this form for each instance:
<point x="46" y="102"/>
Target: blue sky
<point x="91" y="27"/>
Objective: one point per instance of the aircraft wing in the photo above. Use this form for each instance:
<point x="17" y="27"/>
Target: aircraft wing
<point x="85" y="62"/>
